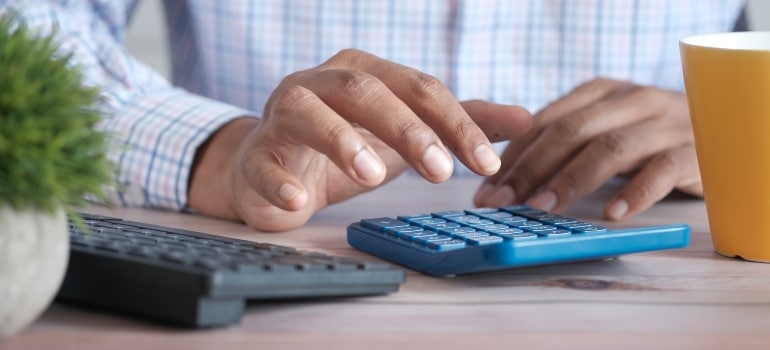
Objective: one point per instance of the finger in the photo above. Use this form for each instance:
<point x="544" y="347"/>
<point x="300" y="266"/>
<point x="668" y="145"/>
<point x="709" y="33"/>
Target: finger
<point x="664" y="172"/>
<point x="498" y="121"/>
<point x="603" y="158"/>
<point x="429" y="99"/>
<point x="579" y="98"/>
<point x="564" y="138"/>
<point x="365" y="100"/>
<point x="299" y="115"/>
<point x="265" y="174"/>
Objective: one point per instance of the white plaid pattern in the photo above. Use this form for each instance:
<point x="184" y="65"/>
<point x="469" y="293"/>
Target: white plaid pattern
<point x="234" y="52"/>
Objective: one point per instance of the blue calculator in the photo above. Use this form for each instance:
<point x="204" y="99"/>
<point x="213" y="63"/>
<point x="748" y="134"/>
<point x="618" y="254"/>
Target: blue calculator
<point x="486" y="239"/>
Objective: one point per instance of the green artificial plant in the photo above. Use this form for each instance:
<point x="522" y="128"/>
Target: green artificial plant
<point x="51" y="154"/>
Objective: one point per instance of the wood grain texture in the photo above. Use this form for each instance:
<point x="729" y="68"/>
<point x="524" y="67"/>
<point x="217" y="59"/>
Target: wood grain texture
<point x="684" y="299"/>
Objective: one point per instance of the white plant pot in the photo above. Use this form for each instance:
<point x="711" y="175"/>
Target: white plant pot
<point x="34" y="251"/>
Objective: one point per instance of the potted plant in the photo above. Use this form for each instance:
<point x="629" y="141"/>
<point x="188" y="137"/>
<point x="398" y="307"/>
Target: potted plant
<point x="51" y="157"/>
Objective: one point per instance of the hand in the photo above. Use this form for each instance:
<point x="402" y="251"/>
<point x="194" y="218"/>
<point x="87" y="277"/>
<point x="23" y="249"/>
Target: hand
<point x="340" y="129"/>
<point x="601" y="129"/>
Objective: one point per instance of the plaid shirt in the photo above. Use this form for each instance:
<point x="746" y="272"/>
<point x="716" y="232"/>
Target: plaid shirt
<point x="228" y="55"/>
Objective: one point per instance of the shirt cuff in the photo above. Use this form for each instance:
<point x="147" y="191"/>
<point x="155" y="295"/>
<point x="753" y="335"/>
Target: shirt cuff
<point x="156" y="137"/>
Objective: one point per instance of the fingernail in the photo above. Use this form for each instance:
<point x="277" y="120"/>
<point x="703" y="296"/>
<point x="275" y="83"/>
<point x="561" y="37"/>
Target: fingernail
<point x="366" y="165"/>
<point x="487" y="158"/>
<point x="436" y="162"/>
<point x="287" y="192"/>
<point x="618" y="209"/>
<point x="544" y="201"/>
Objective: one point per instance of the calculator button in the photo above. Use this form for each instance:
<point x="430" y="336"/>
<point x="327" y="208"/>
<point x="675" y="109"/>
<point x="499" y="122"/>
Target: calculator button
<point x="427" y="221"/>
<point x="450" y="213"/>
<point x="446" y="245"/>
<point x="413" y="216"/>
<point x="470" y="235"/>
<point x="479" y="222"/>
<point x="411" y="236"/>
<point x="516" y="208"/>
<point x="539" y="229"/>
<point x="470" y="220"/>
<point x="427" y="240"/>
<point x="505" y="231"/>
<point x="481" y="211"/>
<point x="555" y="233"/>
<point x="522" y="236"/>
<point x="484" y="240"/>
<point x="528" y="223"/>
<point x="574" y="225"/>
<point x="590" y="229"/>
<point x="495" y="215"/>
<point x="558" y="220"/>
<point x="491" y="228"/>
<point x="440" y="226"/>
<point x="382" y="224"/>
<point x="458" y="230"/>
<point x="510" y="219"/>
<point x="398" y="231"/>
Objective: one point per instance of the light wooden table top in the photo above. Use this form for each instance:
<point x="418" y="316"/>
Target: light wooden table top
<point x="690" y="298"/>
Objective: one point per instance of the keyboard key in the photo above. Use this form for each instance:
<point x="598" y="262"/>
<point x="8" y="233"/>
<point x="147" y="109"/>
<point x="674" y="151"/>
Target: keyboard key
<point x="217" y="274"/>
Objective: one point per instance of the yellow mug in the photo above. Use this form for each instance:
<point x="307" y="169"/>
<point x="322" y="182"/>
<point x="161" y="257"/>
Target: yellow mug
<point x="727" y="81"/>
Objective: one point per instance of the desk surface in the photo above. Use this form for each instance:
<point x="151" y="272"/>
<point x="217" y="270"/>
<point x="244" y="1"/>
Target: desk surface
<point x="689" y="298"/>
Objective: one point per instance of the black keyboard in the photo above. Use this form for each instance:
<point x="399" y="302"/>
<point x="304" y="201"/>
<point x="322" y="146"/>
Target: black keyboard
<point x="200" y="280"/>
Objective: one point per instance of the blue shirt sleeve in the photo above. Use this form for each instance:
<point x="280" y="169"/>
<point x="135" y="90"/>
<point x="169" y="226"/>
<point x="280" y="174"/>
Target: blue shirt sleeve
<point x="157" y="127"/>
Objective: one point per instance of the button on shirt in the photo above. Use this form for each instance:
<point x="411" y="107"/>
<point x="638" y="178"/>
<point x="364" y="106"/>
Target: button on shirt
<point x="228" y="56"/>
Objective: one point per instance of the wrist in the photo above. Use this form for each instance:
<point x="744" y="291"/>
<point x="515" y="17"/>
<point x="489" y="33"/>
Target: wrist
<point x="211" y="182"/>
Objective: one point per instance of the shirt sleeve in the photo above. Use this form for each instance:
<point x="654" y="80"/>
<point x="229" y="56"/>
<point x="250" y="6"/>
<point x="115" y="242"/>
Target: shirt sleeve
<point x="156" y="128"/>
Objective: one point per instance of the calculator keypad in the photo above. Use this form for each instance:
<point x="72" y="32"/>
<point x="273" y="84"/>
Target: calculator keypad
<point x="452" y="230"/>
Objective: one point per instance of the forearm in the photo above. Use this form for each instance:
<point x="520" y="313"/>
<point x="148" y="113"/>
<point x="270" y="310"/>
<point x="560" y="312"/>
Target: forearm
<point x="155" y="127"/>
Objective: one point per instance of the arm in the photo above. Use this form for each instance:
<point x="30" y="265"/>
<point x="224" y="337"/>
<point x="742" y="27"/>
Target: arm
<point x="157" y="128"/>
<point x="339" y="129"/>
<point x="327" y="133"/>
<point x="608" y="128"/>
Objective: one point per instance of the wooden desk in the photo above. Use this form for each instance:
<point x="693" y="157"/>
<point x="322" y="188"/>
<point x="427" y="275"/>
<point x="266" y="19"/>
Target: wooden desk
<point x="689" y="298"/>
